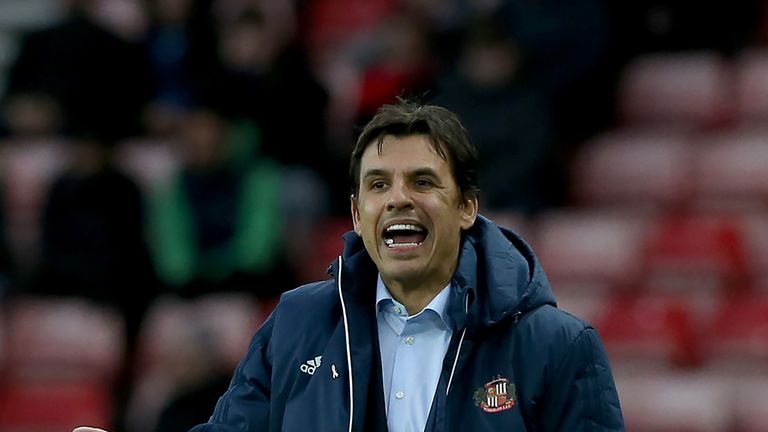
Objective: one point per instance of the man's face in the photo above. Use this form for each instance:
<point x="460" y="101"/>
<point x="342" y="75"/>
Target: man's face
<point x="409" y="212"/>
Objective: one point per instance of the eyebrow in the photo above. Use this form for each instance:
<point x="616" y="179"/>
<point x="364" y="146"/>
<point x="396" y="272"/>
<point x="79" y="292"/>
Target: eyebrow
<point x="380" y="172"/>
<point x="374" y="172"/>
<point x="423" y="172"/>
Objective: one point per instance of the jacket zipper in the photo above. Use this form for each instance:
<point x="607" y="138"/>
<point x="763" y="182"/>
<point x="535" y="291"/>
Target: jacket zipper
<point x="458" y="350"/>
<point x="348" y="349"/>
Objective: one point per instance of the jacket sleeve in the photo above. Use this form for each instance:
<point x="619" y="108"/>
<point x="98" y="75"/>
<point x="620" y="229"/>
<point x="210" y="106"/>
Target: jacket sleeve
<point x="246" y="404"/>
<point x="582" y="396"/>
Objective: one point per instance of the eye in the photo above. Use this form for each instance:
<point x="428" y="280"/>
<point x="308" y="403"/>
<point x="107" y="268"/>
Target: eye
<point x="422" y="183"/>
<point x="378" y="184"/>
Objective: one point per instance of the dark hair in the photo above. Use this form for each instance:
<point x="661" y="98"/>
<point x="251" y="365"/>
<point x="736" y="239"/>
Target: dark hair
<point x="444" y="130"/>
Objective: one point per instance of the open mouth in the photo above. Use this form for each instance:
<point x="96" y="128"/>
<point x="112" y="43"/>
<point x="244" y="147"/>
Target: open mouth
<point x="404" y="235"/>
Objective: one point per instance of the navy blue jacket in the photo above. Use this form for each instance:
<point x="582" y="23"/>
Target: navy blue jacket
<point x="517" y="364"/>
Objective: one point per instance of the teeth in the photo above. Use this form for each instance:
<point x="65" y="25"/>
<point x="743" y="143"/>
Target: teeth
<point x="389" y="241"/>
<point x="392" y="245"/>
<point x="402" y="227"/>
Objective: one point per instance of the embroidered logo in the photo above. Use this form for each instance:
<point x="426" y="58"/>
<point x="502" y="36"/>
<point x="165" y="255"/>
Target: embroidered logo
<point x="497" y="395"/>
<point x="311" y="365"/>
<point x="334" y="372"/>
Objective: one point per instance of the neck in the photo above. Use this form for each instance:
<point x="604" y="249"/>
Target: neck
<point x="415" y="297"/>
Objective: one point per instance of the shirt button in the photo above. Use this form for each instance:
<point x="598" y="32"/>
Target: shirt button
<point x="398" y="310"/>
<point x="409" y="340"/>
<point x="400" y="395"/>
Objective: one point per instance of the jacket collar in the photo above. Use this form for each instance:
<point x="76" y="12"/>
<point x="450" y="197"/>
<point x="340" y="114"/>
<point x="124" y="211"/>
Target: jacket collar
<point x="498" y="276"/>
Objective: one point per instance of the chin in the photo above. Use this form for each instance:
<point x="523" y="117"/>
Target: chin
<point x="401" y="272"/>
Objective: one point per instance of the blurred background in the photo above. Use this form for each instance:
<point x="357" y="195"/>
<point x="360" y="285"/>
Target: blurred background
<point x="169" y="167"/>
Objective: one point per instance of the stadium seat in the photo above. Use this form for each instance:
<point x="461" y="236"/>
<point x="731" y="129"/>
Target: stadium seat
<point x="675" y="88"/>
<point x="688" y="401"/>
<point x="696" y="253"/>
<point x="53" y="405"/>
<point x="225" y="321"/>
<point x="730" y="170"/>
<point x="593" y="249"/>
<point x="24" y="15"/>
<point x="150" y="163"/>
<point x="182" y="340"/>
<point x="737" y="336"/>
<point x="3" y="342"/>
<point x="27" y="168"/>
<point x="63" y="338"/>
<point x="9" y="44"/>
<point x="755" y="228"/>
<point x="649" y="333"/>
<point x="515" y="221"/>
<point x="634" y="168"/>
<point x="751" y="78"/>
<point x="749" y="404"/>
<point x="582" y="301"/>
<point x="326" y="245"/>
<point x="335" y="23"/>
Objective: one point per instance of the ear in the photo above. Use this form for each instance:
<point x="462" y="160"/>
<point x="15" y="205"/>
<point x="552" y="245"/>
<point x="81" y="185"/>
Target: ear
<point x="355" y="210"/>
<point x="468" y="214"/>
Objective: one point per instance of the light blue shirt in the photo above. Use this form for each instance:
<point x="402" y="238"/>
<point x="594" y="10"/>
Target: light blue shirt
<point x="412" y="352"/>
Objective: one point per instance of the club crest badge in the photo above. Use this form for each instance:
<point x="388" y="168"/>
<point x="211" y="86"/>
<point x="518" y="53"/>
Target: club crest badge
<point x="495" y="396"/>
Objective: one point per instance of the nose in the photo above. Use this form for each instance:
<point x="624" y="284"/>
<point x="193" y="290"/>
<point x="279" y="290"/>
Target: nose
<point x="399" y="197"/>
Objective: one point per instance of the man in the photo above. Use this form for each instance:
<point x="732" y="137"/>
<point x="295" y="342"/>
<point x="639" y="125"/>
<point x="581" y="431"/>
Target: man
<point x="434" y="319"/>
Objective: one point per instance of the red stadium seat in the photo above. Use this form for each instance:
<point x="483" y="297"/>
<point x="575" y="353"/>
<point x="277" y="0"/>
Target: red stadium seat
<point x="181" y="340"/>
<point x="27" y="169"/>
<point x="730" y="170"/>
<point x="676" y="401"/>
<point x="675" y="88"/>
<point x="3" y="341"/>
<point x="696" y="253"/>
<point x="517" y="222"/>
<point x="53" y="405"/>
<point x="591" y="248"/>
<point x="751" y="76"/>
<point x="737" y="336"/>
<point x="326" y="246"/>
<point x="63" y="338"/>
<point x="649" y="333"/>
<point x="755" y="228"/>
<point x="334" y="23"/>
<point x="642" y="168"/>
<point x="582" y="301"/>
<point x="150" y="163"/>
<point x="749" y="404"/>
<point x="226" y="322"/>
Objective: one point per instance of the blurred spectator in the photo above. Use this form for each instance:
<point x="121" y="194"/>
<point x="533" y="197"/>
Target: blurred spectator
<point x="217" y="225"/>
<point x="199" y="381"/>
<point x="566" y="42"/>
<point x="675" y="25"/>
<point x="564" y="39"/>
<point x="73" y="74"/>
<point x="265" y="86"/>
<point x="331" y="26"/>
<point x="267" y="81"/>
<point x="403" y="66"/>
<point x="180" y="44"/>
<point x="7" y="269"/>
<point x="447" y="19"/>
<point x="93" y="236"/>
<point x="508" y="119"/>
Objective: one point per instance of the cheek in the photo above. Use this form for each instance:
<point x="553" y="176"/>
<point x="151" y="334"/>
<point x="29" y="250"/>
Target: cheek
<point x="368" y="217"/>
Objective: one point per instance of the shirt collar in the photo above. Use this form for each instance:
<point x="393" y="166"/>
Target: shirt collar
<point x="439" y="304"/>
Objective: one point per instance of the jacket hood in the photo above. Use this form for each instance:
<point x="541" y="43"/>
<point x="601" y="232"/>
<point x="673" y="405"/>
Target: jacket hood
<point x="498" y="274"/>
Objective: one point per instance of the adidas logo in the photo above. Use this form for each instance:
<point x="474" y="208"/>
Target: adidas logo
<point x="311" y="365"/>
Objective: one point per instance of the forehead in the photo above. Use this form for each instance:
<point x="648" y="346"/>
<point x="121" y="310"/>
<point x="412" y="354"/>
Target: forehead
<point x="402" y="153"/>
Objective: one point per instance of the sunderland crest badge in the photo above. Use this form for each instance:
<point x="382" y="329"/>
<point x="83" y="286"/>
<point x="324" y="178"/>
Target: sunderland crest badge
<point x="497" y="395"/>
